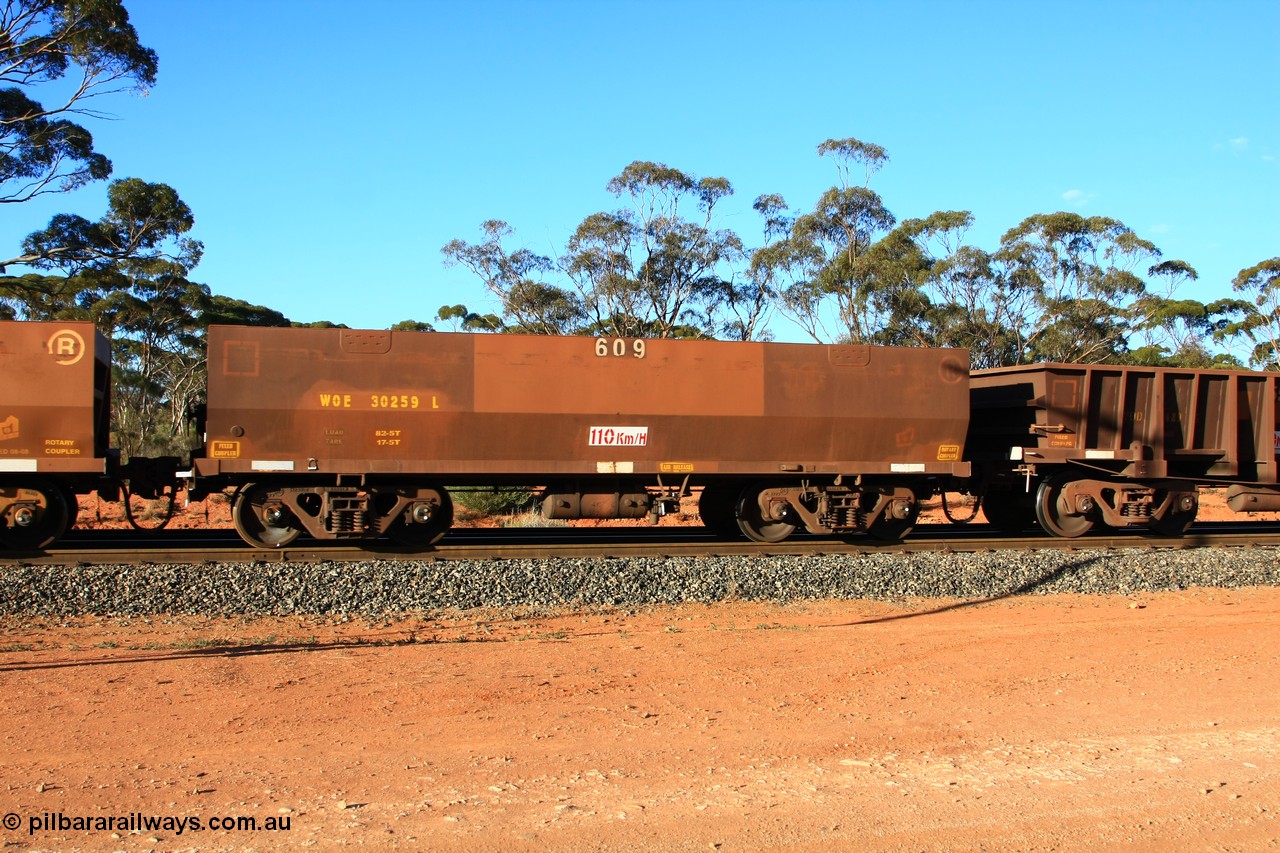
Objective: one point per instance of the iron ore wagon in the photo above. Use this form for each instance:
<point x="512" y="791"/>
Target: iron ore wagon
<point x="355" y="434"/>
<point x="55" y="391"/>
<point x="1076" y="447"/>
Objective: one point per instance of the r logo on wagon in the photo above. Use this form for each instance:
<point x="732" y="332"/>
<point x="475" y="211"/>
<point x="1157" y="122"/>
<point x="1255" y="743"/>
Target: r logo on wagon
<point x="66" y="346"/>
<point x="618" y="436"/>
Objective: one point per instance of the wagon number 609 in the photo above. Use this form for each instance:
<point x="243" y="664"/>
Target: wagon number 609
<point x="618" y="347"/>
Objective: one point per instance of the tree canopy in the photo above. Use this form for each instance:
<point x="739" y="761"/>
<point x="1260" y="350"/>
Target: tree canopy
<point x="656" y="267"/>
<point x="91" y="47"/>
<point x="1059" y="287"/>
<point x="1256" y="317"/>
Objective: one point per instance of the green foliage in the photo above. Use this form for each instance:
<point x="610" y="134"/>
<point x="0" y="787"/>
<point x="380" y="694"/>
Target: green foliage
<point x="225" y="311"/>
<point x="41" y="43"/>
<point x="143" y="221"/>
<point x="41" y="297"/>
<point x="1256" y="317"/>
<point x="1079" y="272"/>
<point x="851" y="152"/>
<point x="528" y="304"/>
<point x="833" y="289"/>
<point x="645" y="270"/>
<point x="468" y="321"/>
<point x="412" y="326"/>
<point x="491" y="502"/>
<point x="1060" y="286"/>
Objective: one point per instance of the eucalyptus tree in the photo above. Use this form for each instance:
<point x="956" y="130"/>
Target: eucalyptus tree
<point x="76" y="51"/>
<point x="153" y="313"/>
<point x="1255" y="317"/>
<point x="40" y="297"/>
<point x="143" y="221"/>
<point x="463" y="319"/>
<point x="412" y="326"/>
<point x="648" y="269"/>
<point x="158" y="358"/>
<point x="980" y="307"/>
<point x="1087" y="297"/>
<point x="1171" y="331"/>
<point x="927" y="287"/>
<point x="516" y="278"/>
<point x="127" y="272"/>
<point x="744" y="308"/>
<point x="228" y="311"/>
<point x="828" y="291"/>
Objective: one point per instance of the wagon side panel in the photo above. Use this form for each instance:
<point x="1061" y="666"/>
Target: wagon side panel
<point x="54" y="403"/>
<point x="1142" y="422"/>
<point x="340" y="401"/>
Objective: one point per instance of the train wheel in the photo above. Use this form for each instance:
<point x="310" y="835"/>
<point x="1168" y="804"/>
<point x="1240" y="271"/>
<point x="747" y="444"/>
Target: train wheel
<point x="262" y="519"/>
<point x="73" y="508"/>
<point x="1178" y="517"/>
<point x="37" y="516"/>
<point x="717" y="509"/>
<point x="896" y="521"/>
<point x="1056" y="515"/>
<point x="436" y="509"/>
<point x="1009" y="510"/>
<point x="754" y="525"/>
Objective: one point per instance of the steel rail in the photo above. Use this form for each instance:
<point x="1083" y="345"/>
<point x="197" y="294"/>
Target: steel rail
<point x="223" y="546"/>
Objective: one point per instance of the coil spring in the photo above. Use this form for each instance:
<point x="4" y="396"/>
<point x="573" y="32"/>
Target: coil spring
<point x="345" y="516"/>
<point x="844" y="514"/>
<point x="346" y="521"/>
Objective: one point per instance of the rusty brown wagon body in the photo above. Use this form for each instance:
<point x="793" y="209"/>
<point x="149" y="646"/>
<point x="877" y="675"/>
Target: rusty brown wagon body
<point x="347" y="433"/>
<point x="55" y="432"/>
<point x="54" y="425"/>
<point x="1121" y="446"/>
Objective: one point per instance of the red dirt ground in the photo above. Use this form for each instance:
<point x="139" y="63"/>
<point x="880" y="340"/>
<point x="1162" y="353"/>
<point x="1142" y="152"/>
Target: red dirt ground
<point x="1147" y="722"/>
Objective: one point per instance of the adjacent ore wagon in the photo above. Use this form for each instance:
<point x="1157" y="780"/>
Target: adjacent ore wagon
<point x="1079" y="446"/>
<point x="55" y="386"/>
<point x="357" y="434"/>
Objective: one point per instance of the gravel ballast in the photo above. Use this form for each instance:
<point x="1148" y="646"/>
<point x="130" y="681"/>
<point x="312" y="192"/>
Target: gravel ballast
<point x="379" y="587"/>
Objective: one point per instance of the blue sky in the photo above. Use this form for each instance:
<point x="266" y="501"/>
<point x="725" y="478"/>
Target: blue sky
<point x="329" y="149"/>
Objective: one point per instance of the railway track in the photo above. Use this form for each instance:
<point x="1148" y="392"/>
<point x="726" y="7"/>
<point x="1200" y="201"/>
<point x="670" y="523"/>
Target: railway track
<point x="85" y="547"/>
